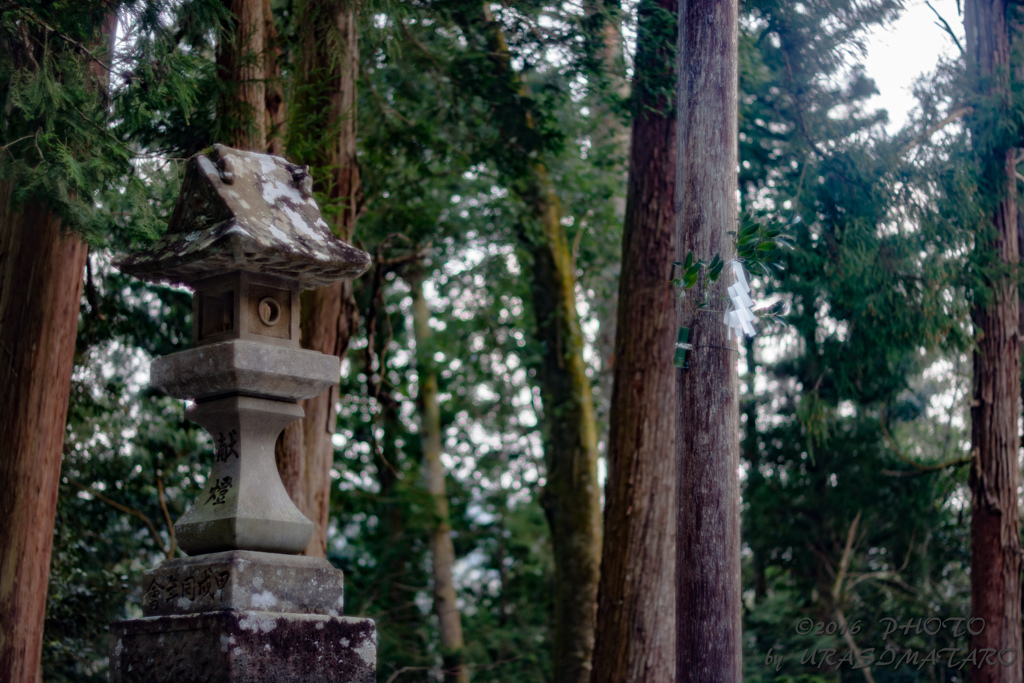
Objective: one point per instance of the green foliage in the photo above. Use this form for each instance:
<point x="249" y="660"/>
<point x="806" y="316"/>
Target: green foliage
<point x="876" y="286"/>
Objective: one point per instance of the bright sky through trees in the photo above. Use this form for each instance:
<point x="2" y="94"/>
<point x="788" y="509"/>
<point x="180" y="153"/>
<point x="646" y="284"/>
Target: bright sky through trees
<point x="898" y="54"/>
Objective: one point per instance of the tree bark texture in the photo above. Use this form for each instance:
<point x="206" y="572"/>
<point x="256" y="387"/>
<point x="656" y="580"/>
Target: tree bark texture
<point x="708" y="550"/>
<point x="635" y="640"/>
<point x="324" y="137"/>
<point x="40" y="287"/>
<point x="276" y="112"/>
<point x="995" y="408"/>
<point x="442" y="551"/>
<point x="240" y="64"/>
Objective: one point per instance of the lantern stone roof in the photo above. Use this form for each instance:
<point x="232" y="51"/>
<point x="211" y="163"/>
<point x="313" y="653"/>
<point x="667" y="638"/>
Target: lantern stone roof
<point x="246" y="211"/>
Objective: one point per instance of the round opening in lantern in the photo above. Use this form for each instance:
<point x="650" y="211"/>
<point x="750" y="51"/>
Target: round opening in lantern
<point x="270" y="311"/>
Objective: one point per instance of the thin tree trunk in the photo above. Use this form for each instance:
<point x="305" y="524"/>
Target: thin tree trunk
<point x="442" y="550"/>
<point x="995" y="408"/>
<point x="40" y="287"/>
<point x="610" y="147"/>
<point x="325" y="138"/>
<point x="708" y="550"/>
<point x="240" y="63"/>
<point x="635" y="639"/>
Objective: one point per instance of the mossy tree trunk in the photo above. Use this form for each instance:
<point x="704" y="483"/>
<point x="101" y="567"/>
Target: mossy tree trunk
<point x="442" y="551"/>
<point x="322" y="133"/>
<point x="995" y="408"/>
<point x="708" y="548"/>
<point x="571" y="495"/>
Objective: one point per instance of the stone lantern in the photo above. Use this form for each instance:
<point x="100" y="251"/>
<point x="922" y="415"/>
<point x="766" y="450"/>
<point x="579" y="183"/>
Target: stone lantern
<point x="246" y="235"/>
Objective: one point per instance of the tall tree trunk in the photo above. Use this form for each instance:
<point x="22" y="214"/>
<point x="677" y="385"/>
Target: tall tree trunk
<point x="635" y="639"/>
<point x="708" y="550"/>
<point x="240" y="64"/>
<point x="995" y="410"/>
<point x="276" y="110"/>
<point x="40" y="287"/>
<point x="324" y="137"/>
<point x="442" y="551"/>
<point x="571" y="496"/>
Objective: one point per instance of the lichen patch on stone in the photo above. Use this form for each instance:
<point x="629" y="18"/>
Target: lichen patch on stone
<point x="366" y="651"/>
<point x="246" y="211"/>
<point x="264" y="600"/>
<point x="258" y="623"/>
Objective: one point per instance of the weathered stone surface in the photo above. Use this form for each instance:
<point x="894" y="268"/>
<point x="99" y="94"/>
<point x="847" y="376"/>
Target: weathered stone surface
<point x="245" y="367"/>
<point x="237" y="646"/>
<point x="246" y="211"/>
<point x="244" y="580"/>
<point x="244" y="505"/>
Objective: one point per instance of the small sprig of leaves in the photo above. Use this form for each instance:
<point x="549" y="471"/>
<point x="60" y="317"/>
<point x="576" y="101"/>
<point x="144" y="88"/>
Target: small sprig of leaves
<point x="758" y="246"/>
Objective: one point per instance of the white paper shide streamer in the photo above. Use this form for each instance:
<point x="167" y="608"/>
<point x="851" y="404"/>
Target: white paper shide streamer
<point x="740" y="320"/>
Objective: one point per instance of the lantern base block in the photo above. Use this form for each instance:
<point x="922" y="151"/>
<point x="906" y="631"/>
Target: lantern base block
<point x="244" y="580"/>
<point x="234" y="646"/>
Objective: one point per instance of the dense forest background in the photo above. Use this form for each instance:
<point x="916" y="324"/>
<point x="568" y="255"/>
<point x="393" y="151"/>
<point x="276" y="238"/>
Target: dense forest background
<point x="481" y="153"/>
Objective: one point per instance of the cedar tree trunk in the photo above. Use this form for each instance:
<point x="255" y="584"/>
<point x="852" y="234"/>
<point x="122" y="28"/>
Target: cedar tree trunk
<point x="40" y="286"/>
<point x="636" y="611"/>
<point x="995" y="476"/>
<point x="240" y="63"/>
<point x="276" y="111"/>
<point x="708" y="550"/>
<point x="322" y="134"/>
<point x="442" y="551"/>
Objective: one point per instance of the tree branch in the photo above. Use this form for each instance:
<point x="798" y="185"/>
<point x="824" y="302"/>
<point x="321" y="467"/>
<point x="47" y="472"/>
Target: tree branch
<point x="123" y="508"/>
<point x="167" y="516"/>
<point x="945" y="26"/>
<point x="931" y="130"/>
<point x="920" y="467"/>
